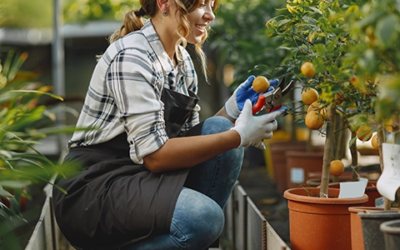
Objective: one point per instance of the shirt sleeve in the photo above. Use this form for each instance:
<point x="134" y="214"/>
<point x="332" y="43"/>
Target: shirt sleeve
<point x="135" y="87"/>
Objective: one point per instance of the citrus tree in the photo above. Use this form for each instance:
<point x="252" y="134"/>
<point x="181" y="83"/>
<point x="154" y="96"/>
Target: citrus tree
<point x="318" y="38"/>
<point x="376" y="28"/>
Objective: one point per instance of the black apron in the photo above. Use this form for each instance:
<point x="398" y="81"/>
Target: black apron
<point x="113" y="202"/>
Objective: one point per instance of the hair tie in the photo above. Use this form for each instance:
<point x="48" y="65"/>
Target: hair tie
<point x="142" y="12"/>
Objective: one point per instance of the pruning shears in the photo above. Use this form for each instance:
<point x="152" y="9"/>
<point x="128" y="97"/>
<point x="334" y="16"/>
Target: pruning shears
<point x="272" y="100"/>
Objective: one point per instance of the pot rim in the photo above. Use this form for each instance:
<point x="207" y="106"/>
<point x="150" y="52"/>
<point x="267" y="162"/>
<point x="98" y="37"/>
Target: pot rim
<point x="379" y="214"/>
<point x="390" y="227"/>
<point x="300" y="195"/>
<point x="367" y="209"/>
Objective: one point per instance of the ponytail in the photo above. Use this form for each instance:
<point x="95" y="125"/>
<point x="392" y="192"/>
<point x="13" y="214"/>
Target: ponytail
<point x="132" y="21"/>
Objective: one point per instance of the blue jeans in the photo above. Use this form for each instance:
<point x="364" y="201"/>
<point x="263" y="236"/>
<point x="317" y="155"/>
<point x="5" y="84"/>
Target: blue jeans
<point x="198" y="217"/>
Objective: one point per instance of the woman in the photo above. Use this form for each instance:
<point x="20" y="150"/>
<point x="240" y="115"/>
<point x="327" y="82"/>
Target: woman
<point x="153" y="176"/>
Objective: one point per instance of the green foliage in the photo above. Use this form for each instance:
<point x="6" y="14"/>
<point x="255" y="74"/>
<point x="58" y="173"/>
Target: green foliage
<point x="317" y="31"/>
<point x="26" y="14"/>
<point x="24" y="121"/>
<point x="376" y="56"/>
<point x="85" y="10"/>
<point x="239" y="35"/>
<point x="39" y="13"/>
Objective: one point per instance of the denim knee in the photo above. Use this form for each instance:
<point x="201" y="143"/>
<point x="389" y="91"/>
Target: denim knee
<point x="216" y="124"/>
<point x="198" y="220"/>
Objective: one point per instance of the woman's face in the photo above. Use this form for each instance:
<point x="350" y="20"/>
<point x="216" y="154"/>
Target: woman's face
<point x="199" y="20"/>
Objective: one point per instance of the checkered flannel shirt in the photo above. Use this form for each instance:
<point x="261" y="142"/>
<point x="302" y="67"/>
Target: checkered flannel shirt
<point x="124" y="93"/>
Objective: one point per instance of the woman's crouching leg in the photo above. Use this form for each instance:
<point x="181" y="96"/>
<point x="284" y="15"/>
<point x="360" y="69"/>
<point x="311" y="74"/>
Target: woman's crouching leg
<point x="196" y="223"/>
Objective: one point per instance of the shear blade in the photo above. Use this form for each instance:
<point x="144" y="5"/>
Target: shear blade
<point x="287" y="87"/>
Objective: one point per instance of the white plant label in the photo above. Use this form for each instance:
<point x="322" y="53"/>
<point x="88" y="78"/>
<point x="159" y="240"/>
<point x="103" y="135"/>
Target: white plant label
<point x="297" y="175"/>
<point x="389" y="181"/>
<point x="353" y="189"/>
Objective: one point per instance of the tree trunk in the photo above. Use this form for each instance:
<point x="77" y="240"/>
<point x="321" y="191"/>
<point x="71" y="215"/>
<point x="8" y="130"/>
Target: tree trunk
<point x="328" y="151"/>
<point x="354" y="159"/>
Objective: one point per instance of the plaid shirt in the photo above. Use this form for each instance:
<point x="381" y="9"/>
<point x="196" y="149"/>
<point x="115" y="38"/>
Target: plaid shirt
<point x="124" y="94"/>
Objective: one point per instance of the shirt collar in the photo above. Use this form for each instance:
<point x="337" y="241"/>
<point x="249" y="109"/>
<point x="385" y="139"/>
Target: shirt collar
<point x="155" y="42"/>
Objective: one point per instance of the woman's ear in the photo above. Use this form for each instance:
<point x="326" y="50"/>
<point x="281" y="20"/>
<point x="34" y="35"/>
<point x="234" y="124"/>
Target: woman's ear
<point x="162" y="5"/>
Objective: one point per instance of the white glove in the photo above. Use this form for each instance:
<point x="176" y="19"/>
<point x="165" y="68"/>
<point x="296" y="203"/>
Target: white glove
<point x="253" y="129"/>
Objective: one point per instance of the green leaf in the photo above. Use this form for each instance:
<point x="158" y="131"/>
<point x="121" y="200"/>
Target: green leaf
<point x="352" y="141"/>
<point x="332" y="45"/>
<point x="319" y="64"/>
<point x="14" y="184"/>
<point x="333" y="69"/>
<point x="387" y="31"/>
<point x="4" y="193"/>
<point x="320" y="49"/>
<point x="283" y="22"/>
<point x="370" y="19"/>
<point x="316" y="10"/>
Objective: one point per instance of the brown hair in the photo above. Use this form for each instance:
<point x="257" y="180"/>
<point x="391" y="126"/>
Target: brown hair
<point x="134" y="20"/>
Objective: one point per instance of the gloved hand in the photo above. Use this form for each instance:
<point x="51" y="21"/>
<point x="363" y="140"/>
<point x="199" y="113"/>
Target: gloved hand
<point x="245" y="91"/>
<point x="253" y="129"/>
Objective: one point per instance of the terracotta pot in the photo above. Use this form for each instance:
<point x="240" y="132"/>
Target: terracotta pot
<point x="370" y="190"/>
<point x="278" y="159"/>
<point x="320" y="223"/>
<point x="372" y="235"/>
<point x="300" y="164"/>
<point x="391" y="232"/>
<point x="357" y="241"/>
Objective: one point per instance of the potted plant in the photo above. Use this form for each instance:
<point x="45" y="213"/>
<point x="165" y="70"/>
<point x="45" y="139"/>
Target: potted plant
<point x="23" y="170"/>
<point x="318" y="38"/>
<point x="374" y="25"/>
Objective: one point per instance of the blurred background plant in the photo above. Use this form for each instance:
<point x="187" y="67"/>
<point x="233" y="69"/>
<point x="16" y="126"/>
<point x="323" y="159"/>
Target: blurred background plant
<point x="26" y="14"/>
<point x="25" y="119"/>
<point x="39" y="14"/>
<point x="376" y="26"/>
<point x="238" y="34"/>
<point x="89" y="10"/>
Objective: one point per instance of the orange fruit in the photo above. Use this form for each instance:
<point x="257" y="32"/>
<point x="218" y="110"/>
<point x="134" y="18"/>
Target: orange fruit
<point x="388" y="125"/>
<point x="309" y="96"/>
<point x="364" y="133"/>
<point x="314" y="120"/>
<point x="374" y="141"/>
<point x="354" y="80"/>
<point x="307" y="69"/>
<point x="339" y="98"/>
<point x="336" y="167"/>
<point x="260" y="84"/>
<point x="315" y="106"/>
